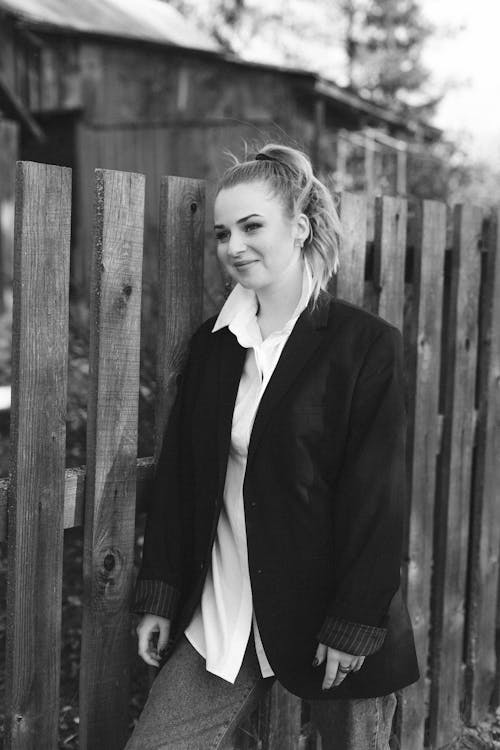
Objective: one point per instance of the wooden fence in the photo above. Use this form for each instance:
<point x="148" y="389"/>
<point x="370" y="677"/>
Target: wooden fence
<point x="439" y="283"/>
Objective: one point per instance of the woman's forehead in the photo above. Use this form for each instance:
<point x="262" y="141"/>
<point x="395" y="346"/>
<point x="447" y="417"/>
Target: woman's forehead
<point x="245" y="198"/>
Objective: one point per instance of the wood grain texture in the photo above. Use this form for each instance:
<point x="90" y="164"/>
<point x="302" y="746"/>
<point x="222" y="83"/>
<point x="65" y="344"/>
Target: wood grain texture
<point x="423" y="348"/>
<point x="485" y="530"/>
<point x="38" y="436"/>
<point x="74" y="494"/>
<point x="389" y="257"/>
<point x="182" y="227"/>
<point x="351" y="276"/>
<point x="459" y="354"/>
<point x="111" y="458"/>
<point x="282" y="719"/>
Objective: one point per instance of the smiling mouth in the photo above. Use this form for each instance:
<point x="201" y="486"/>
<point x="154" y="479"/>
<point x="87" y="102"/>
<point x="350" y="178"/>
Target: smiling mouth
<point x="243" y="263"/>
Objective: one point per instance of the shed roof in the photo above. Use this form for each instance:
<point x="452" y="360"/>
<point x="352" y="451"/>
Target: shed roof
<point x="147" y="20"/>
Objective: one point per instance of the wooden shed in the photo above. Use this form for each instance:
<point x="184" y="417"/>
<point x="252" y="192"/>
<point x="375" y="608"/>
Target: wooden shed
<point x="132" y="85"/>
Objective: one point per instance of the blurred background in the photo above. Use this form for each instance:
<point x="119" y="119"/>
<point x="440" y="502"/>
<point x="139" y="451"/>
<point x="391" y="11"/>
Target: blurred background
<point x="387" y="96"/>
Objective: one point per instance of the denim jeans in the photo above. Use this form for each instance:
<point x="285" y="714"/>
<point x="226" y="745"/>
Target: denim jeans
<point x="189" y="708"/>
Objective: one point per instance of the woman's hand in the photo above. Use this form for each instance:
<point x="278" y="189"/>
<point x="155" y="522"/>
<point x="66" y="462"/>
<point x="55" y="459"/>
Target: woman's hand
<point x="146" y="630"/>
<point x="334" y="658"/>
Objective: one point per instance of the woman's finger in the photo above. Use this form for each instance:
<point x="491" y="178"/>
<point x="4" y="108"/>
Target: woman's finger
<point x="145" y="645"/>
<point x="320" y="655"/>
<point x="359" y="663"/>
<point x="164" y="628"/>
<point x="346" y="664"/>
<point x="332" y="663"/>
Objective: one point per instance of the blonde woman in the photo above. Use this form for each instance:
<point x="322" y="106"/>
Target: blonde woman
<point x="273" y="542"/>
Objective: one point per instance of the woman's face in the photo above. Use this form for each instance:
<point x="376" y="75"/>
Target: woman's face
<point x="257" y="243"/>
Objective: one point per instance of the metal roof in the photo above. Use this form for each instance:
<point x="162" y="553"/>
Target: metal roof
<point x="147" y="20"/>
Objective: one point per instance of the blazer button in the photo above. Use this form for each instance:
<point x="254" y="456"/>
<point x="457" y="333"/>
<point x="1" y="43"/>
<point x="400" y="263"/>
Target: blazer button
<point x="259" y="570"/>
<point x="253" y="504"/>
<point x="202" y="565"/>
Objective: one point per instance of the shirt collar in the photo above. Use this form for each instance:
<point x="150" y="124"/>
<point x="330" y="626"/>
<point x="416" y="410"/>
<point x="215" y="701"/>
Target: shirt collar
<point x="240" y="309"/>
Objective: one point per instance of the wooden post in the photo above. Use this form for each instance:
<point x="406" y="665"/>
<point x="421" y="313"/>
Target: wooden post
<point x="38" y="437"/>
<point x="454" y="480"/>
<point x="350" y="279"/>
<point x="369" y="160"/>
<point x="111" y="458"/>
<point x="283" y="711"/>
<point x="402" y="169"/>
<point x="485" y="530"/>
<point x="182" y="227"/>
<point x="341" y="161"/>
<point x="423" y="354"/>
<point x="389" y="257"/>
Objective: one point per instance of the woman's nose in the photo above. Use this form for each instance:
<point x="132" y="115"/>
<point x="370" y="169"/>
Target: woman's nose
<point x="236" y="245"/>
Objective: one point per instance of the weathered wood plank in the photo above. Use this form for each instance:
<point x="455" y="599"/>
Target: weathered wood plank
<point x="38" y="434"/>
<point x="111" y="458"/>
<point x="283" y="720"/>
<point x="459" y="355"/>
<point x="74" y="494"/>
<point x="485" y="531"/>
<point x="350" y="279"/>
<point x="423" y="348"/>
<point x="182" y="227"/>
<point x="389" y="257"/>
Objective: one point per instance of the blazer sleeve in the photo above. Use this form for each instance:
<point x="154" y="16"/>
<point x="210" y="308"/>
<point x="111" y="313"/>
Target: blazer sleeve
<point x="159" y="582"/>
<point x="369" y="503"/>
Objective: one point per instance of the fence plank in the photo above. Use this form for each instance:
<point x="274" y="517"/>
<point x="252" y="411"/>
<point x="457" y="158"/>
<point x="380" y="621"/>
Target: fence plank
<point x="182" y="228"/>
<point x="349" y="282"/>
<point x="423" y="349"/>
<point x="283" y="720"/>
<point x="38" y="434"/>
<point x="459" y="352"/>
<point x="111" y="458"/>
<point x="485" y="532"/>
<point x="389" y="257"/>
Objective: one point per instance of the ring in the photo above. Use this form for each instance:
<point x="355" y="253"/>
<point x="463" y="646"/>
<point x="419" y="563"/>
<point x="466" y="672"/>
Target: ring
<point x="344" y="670"/>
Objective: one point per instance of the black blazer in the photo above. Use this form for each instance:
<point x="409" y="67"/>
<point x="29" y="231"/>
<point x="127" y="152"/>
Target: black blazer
<point x="324" y="497"/>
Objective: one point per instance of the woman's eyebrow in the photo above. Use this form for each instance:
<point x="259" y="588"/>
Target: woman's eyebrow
<point x="240" y="221"/>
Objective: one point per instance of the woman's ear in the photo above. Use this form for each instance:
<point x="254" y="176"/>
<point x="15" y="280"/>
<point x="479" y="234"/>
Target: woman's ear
<point x="302" y="228"/>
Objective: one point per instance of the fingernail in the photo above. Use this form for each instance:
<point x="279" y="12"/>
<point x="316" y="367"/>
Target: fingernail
<point x="315" y="661"/>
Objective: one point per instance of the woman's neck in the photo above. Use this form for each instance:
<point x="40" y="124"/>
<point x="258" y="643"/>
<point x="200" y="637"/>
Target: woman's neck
<point x="277" y="302"/>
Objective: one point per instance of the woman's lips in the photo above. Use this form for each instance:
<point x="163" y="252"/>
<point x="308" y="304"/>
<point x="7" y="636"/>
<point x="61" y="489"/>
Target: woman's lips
<point x="243" y="263"/>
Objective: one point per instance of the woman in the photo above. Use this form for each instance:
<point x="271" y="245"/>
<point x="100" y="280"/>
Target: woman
<point x="273" y="542"/>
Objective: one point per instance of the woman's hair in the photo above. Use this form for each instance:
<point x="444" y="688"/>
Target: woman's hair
<point x="289" y="173"/>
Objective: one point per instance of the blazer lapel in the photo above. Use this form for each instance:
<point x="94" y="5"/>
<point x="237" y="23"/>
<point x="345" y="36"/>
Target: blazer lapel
<point x="303" y="341"/>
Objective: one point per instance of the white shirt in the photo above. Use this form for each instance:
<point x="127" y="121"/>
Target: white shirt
<point x="221" y="624"/>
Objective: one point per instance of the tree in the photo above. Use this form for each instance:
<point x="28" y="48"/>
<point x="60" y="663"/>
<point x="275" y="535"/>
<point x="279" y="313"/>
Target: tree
<point x="386" y="56"/>
<point x="374" y="46"/>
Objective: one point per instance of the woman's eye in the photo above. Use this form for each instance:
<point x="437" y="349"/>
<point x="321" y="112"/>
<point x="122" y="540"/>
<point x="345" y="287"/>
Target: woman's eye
<point x="251" y="227"/>
<point x="221" y="236"/>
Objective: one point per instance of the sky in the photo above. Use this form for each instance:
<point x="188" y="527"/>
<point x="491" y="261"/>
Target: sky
<point x="472" y="58"/>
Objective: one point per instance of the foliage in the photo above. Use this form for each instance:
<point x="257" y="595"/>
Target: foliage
<point x="384" y="47"/>
<point x="446" y="172"/>
<point x="374" y="46"/>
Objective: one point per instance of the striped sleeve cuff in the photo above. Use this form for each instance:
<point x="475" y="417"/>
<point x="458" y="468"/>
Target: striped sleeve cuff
<point x="351" y="637"/>
<point x="156" y="598"/>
